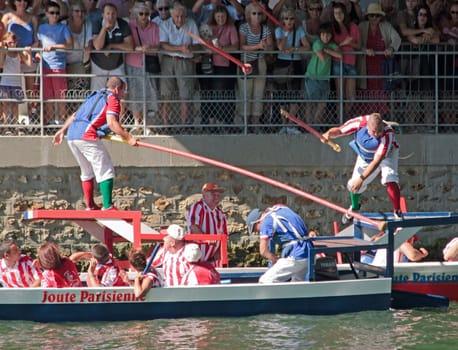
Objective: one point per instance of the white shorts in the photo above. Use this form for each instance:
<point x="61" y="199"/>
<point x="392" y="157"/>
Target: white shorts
<point x="388" y="168"/>
<point x="93" y="159"/>
<point x="286" y="269"/>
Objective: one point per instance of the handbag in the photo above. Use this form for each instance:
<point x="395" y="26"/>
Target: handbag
<point x="206" y="63"/>
<point x="152" y="64"/>
<point x="283" y="72"/>
<point x="391" y="71"/>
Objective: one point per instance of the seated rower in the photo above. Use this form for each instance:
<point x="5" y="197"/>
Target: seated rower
<point x="143" y="283"/>
<point x="17" y="270"/>
<point x="170" y="256"/>
<point x="102" y="271"/>
<point x="405" y="253"/>
<point x="58" y="271"/>
<point x="200" y="272"/>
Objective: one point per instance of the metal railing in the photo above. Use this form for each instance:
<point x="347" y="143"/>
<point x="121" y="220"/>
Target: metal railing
<point x="424" y="101"/>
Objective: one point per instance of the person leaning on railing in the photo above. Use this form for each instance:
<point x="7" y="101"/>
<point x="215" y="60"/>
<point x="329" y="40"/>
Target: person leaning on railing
<point x="225" y="36"/>
<point x="25" y="25"/>
<point x="78" y="60"/>
<point x="54" y="36"/>
<point x="143" y="66"/>
<point x="377" y="35"/>
<point x="111" y="33"/>
<point x="255" y="38"/>
<point x="347" y="35"/>
<point x="292" y="43"/>
<point x="178" y="61"/>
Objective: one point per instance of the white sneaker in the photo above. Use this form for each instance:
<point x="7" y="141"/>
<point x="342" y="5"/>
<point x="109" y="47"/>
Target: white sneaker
<point x="398" y="215"/>
<point x="346" y="218"/>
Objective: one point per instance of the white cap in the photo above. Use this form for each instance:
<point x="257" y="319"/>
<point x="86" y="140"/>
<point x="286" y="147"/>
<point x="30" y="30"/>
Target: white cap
<point x="192" y="253"/>
<point x="176" y="232"/>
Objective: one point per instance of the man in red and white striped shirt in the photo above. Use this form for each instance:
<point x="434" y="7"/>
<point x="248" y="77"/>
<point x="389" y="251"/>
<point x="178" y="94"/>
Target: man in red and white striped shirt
<point x="16" y="269"/>
<point x="205" y="216"/>
<point x="170" y="256"/>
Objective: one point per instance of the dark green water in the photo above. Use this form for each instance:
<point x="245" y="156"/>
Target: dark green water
<point x="406" y="329"/>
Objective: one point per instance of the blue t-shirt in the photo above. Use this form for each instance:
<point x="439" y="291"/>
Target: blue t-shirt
<point x="279" y="225"/>
<point x="52" y="35"/>
<point x="280" y="34"/>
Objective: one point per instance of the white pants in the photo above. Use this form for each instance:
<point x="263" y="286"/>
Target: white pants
<point x="286" y="269"/>
<point x="93" y="159"/>
<point x="388" y="167"/>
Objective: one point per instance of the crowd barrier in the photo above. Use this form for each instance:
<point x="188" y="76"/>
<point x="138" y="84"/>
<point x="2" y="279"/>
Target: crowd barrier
<point x="419" y="94"/>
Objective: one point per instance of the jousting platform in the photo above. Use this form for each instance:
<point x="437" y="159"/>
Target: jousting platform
<point x="114" y="226"/>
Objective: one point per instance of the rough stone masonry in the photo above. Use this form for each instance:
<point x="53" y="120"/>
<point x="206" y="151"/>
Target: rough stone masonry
<point x="35" y="174"/>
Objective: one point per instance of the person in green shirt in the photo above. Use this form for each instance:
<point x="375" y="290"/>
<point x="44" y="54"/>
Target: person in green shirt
<point x="317" y="77"/>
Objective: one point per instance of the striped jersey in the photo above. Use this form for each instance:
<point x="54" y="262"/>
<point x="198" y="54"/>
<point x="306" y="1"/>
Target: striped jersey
<point x="64" y="277"/>
<point x="211" y="222"/>
<point x="369" y="146"/>
<point x="109" y="274"/>
<point x="174" y="266"/>
<point x="22" y="275"/>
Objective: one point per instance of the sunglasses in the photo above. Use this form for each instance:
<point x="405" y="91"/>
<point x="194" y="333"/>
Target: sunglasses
<point x="163" y="8"/>
<point x="54" y="13"/>
<point x="374" y="15"/>
<point x="454" y="12"/>
<point x="143" y="13"/>
<point x="289" y="19"/>
<point x="422" y="14"/>
<point x="256" y="13"/>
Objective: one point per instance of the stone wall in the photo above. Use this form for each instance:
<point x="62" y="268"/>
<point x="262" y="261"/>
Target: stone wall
<point x="35" y="174"/>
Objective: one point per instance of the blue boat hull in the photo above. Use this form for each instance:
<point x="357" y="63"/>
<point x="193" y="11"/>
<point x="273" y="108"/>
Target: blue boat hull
<point x="119" y="304"/>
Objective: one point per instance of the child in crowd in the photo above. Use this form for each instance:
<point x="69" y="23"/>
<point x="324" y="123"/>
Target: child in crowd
<point x="54" y="37"/>
<point x="10" y="82"/>
<point x="318" y="73"/>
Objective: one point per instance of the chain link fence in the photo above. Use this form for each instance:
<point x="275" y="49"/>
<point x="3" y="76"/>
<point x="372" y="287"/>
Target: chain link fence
<point x="423" y="102"/>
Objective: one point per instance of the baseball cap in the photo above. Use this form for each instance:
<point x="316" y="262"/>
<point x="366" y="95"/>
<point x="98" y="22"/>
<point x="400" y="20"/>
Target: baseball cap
<point x="252" y="219"/>
<point x="192" y="253"/>
<point x="176" y="232"/>
<point x="209" y="186"/>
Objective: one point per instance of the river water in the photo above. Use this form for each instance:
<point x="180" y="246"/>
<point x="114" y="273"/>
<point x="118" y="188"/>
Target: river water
<point x="431" y="329"/>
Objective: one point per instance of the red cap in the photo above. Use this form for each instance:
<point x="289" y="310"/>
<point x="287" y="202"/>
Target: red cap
<point x="209" y="186"/>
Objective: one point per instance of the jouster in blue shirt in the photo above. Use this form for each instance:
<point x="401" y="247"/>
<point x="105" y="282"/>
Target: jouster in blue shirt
<point x="282" y="226"/>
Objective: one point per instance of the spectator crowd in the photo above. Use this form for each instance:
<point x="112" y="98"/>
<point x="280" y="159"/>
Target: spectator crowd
<point x="315" y="57"/>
